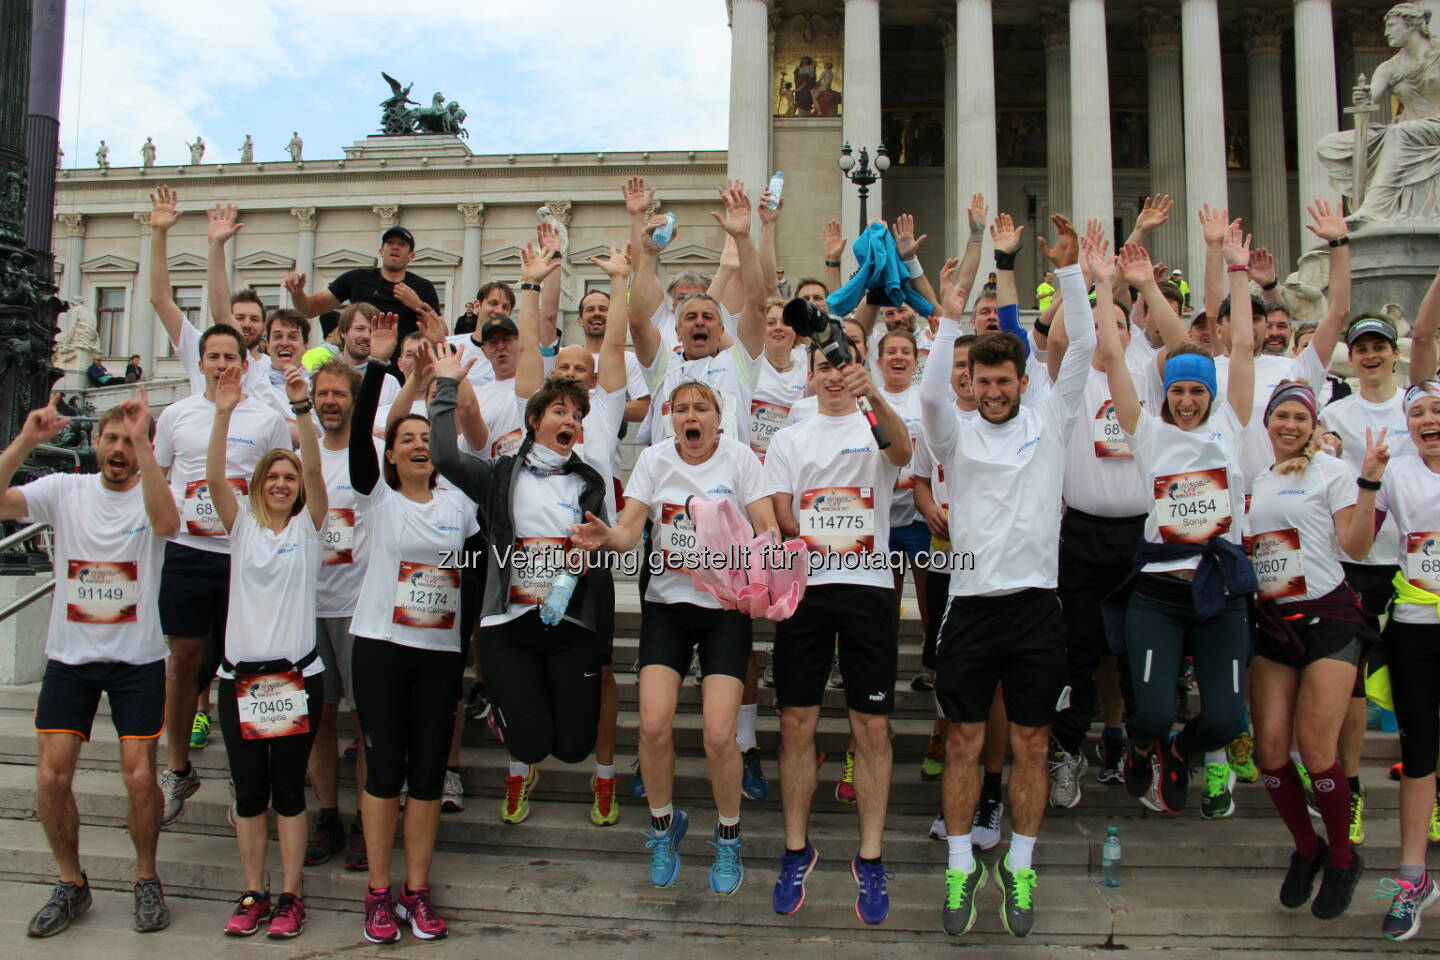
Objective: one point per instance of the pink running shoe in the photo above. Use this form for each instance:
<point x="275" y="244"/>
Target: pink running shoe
<point x="249" y="913"/>
<point x="415" y="906"/>
<point x="380" y="923"/>
<point x="288" y="920"/>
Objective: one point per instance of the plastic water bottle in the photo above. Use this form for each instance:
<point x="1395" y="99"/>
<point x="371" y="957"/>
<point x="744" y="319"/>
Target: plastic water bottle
<point x="1110" y="859"/>
<point x="665" y="232"/>
<point x="777" y="186"/>
<point x="558" y="599"/>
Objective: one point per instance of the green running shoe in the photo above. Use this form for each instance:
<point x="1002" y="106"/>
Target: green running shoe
<point x="934" y="763"/>
<point x="958" y="914"/>
<point x="1309" y="789"/>
<point x="200" y="731"/>
<point x="1017" y="909"/>
<point x="1242" y="758"/>
<point x="1219" y="800"/>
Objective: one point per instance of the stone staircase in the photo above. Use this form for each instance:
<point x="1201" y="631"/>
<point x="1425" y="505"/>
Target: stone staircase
<point x="1187" y="882"/>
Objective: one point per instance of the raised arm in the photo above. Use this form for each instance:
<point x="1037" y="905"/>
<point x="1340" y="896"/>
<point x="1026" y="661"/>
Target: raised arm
<point x="937" y="406"/>
<point x="529" y="365"/>
<point x="309" y="304"/>
<point x="908" y="246"/>
<point x="1330" y="226"/>
<point x="221" y="229"/>
<point x="612" y="375"/>
<point x="858" y="382"/>
<point x="1422" y="335"/>
<point x="222" y="495"/>
<point x="1139" y="273"/>
<point x="469" y="474"/>
<point x="41" y="426"/>
<point x="317" y="499"/>
<point x="726" y="285"/>
<point x="978" y="214"/>
<point x="1214" y="224"/>
<point x="832" y="242"/>
<point x="1112" y="354"/>
<point x="1079" y="322"/>
<point x="159" y="501"/>
<point x="163" y="216"/>
<point x="1356" y="531"/>
<point x="736" y="224"/>
<point x="1153" y="214"/>
<point x="1241" y="389"/>
<point x="364" y="467"/>
<point x="596" y="534"/>
<point x="645" y="293"/>
<point x="768" y="221"/>
<point x="549" y="238"/>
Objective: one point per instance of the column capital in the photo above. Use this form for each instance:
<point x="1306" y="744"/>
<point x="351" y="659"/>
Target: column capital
<point x="945" y="25"/>
<point x="474" y="213"/>
<point x="144" y="220"/>
<point x="1265" y="30"/>
<point x="306" y="216"/>
<point x="1054" y="29"/>
<point x="1160" y="30"/>
<point x="730" y="8"/>
<point x="560" y="209"/>
<point x="389" y="215"/>
<point x="71" y="224"/>
<point x="1365" y="30"/>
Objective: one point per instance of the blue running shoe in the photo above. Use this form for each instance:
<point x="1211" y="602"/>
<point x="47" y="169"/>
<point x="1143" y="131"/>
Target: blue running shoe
<point x="752" y="779"/>
<point x="637" y="786"/>
<point x="872" y="904"/>
<point x="727" y="871"/>
<point x="789" y="893"/>
<point x="665" y="852"/>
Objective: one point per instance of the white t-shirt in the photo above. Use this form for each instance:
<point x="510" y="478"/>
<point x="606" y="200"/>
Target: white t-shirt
<point x="1256" y="454"/>
<point x="411" y="591"/>
<point x="255" y="381"/>
<point x="1101" y="475"/>
<point x="107" y="570"/>
<point x="342" y="542"/>
<point x="1348" y="417"/>
<point x="272" y="591"/>
<point x="1411" y="493"/>
<point x="1292" y="538"/>
<point x="841" y="486"/>
<point x="1197" y="487"/>
<point x="663" y="481"/>
<point x="775" y="393"/>
<point x="601" y="445"/>
<point x="182" y="439"/>
<point x="731" y="373"/>
<point x="544" y="510"/>
<point x="907" y="407"/>
<point x="635" y="386"/>
<point x="480" y="374"/>
<point x="803" y="409"/>
<point x="504" y="415"/>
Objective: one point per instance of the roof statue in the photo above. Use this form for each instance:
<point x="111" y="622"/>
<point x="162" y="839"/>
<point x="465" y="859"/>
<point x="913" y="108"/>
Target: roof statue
<point x="401" y="116"/>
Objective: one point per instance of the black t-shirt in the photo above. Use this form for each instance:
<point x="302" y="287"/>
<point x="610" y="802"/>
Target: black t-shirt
<point x="368" y="286"/>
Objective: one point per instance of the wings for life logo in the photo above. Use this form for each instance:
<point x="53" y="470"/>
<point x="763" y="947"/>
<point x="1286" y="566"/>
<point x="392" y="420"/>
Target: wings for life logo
<point x="1422" y="559"/>
<point x="102" y="592"/>
<point x="838" y="519"/>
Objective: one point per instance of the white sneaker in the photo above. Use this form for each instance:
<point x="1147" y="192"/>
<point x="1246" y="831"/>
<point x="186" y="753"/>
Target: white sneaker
<point x="985" y="828"/>
<point x="937" y="827"/>
<point x="1065" y="771"/>
<point x="452" y="794"/>
<point x="175" y="789"/>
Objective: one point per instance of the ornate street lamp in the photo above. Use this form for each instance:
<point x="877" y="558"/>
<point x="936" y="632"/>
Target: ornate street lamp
<point x="861" y="174"/>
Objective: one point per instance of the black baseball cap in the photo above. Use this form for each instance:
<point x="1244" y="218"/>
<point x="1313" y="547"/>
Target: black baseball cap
<point x="400" y="232"/>
<point x="1373" y="325"/>
<point x="498" y="323"/>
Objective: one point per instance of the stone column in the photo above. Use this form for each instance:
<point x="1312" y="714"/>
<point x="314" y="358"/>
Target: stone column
<point x="474" y="214"/>
<point x="1093" y="184"/>
<point x="861" y="124"/>
<point x="1316" y="110"/>
<point x="1055" y="34"/>
<point x="1269" y="189"/>
<point x="953" y="228"/>
<point x="1204" y="127"/>
<point x="145" y="337"/>
<point x="975" y="147"/>
<point x="1166" y="114"/>
<point x="72" y="228"/>
<point x="748" y="156"/>
<point x="307" y="220"/>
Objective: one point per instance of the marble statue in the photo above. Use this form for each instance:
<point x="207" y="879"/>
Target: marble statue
<point x="197" y="152"/>
<point x="1397" y="174"/>
<point x="80" y="340"/>
<point x="546" y="215"/>
<point x="247" y="150"/>
<point x="102" y="156"/>
<point x="295" y="147"/>
<point x="147" y="153"/>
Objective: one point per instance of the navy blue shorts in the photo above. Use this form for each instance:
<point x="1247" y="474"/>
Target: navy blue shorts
<point x="913" y="538"/>
<point x="70" y="695"/>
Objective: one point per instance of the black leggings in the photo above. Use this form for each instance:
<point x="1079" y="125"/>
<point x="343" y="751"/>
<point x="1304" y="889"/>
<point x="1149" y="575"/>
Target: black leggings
<point x="405" y="698"/>
<point x="1412" y="652"/>
<point x="545" y="685"/>
<point x="269" y="773"/>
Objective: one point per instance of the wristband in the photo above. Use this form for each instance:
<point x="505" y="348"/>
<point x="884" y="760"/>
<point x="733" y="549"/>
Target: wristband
<point x="977" y="233"/>
<point x="527" y="285"/>
<point x="1237" y="266"/>
<point x="1341" y="242"/>
<point x="1042" y="328"/>
<point x="1364" y="484"/>
<point x="549" y="351"/>
<point x="303" y="407"/>
<point x="832" y="263"/>
<point x="1005" y="260"/>
<point x="1267" y="287"/>
<point x="913" y="265"/>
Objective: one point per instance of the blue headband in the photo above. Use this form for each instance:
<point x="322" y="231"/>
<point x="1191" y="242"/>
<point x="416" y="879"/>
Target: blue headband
<point x="1191" y="366"/>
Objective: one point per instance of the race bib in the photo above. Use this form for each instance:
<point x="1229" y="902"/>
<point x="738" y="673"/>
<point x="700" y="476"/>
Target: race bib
<point x="199" y="514"/>
<point x="677" y="536"/>
<point x="1278" y="567"/>
<point x="337" y="543"/>
<point x="1110" y="440"/>
<point x="507" y="445"/>
<point x="838" y="519"/>
<point x="1422" y="560"/>
<point x="272" y="705"/>
<point x="426" y="596"/>
<point x="1192" y="507"/>
<point x="534" y="565"/>
<point x="765" y="419"/>
<point x="102" y="592"/>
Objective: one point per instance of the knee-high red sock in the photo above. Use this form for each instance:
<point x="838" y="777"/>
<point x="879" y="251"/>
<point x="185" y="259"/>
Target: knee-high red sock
<point x="1288" y="795"/>
<point x="1332" y="798"/>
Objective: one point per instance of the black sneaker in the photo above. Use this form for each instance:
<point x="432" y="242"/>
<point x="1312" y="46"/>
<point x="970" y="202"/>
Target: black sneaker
<point x="957" y="916"/>
<point x="1337" y="887"/>
<point x="1300" y="878"/>
<point x="1112" y="758"/>
<point x="1174" y="778"/>
<point x="924" y="681"/>
<point x="67" y="901"/>
<point x="355" y="857"/>
<point x="327" y="838"/>
<point x="477" y="704"/>
<point x="151" y="912"/>
<point x="1139" y="772"/>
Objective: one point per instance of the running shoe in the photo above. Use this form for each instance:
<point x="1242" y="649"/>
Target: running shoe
<point x="452" y="792"/>
<point x="872" y="903"/>
<point x="288" y="920"/>
<point x="985" y="828"/>
<point x="356" y="859"/>
<point x="845" y="789"/>
<point x="637" y="784"/>
<point x="380" y="923"/>
<point x="1299" y="880"/>
<point x="1112" y="758"/>
<point x="67" y="901"/>
<point x="1395" y="769"/>
<point x="604" y="810"/>
<point x="934" y="763"/>
<point x="1140" y="779"/>
<point x="1241" y="754"/>
<point x="1017" y="908"/>
<point x="352" y="749"/>
<point x="327" y="838"/>
<point x="477" y="703"/>
<point x="1337" y="886"/>
<point x="837" y="682"/>
<point x="937" y="828"/>
<point x="1219" y="800"/>
<point x="251" y="910"/>
<point x="752" y="778"/>
<point x="1407" y="901"/>
<point x="1065" y="771"/>
<point x="415" y="906"/>
<point x="1308" y="787"/>
<point x="958" y="914"/>
<point x="176" y="788"/>
<point x="1435" y="822"/>
<point x="200" y="731"/>
<point x="516" y="805"/>
<point x="665" y="850"/>
<point x="789" y="894"/>
<point x="924" y="681"/>
<point x="1357" y="817"/>
<point x="151" y="911"/>
<point x="1174" y="778"/>
<point x="727" y="872"/>
<point x="767" y="676"/>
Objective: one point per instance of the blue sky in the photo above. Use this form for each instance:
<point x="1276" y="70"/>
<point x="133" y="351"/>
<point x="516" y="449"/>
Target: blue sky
<point x="537" y="76"/>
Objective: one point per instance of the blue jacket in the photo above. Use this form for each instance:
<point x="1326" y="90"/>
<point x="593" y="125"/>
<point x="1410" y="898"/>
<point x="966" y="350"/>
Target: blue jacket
<point x="880" y="269"/>
<point x="1225" y="573"/>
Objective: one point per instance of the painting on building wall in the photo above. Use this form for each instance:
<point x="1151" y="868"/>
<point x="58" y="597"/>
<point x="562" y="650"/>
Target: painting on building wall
<point x="808" y="84"/>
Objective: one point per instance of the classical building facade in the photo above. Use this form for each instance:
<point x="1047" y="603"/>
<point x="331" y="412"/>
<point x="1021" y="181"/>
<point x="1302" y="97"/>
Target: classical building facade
<point x="1083" y="108"/>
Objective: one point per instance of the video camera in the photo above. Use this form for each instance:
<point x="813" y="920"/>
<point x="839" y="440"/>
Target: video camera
<point x="827" y="332"/>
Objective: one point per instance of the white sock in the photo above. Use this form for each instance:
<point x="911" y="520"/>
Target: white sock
<point x="745" y="727"/>
<point x="518" y="769"/>
<point x="665" y="811"/>
<point x="1217" y="756"/>
<point x="962" y="855"/>
<point x="1021" y="849"/>
<point x="605" y="771"/>
<point x="728" y="821"/>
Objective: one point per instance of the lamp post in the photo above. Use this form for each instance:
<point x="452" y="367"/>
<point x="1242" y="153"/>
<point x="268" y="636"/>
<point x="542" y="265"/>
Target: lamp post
<point x="861" y="173"/>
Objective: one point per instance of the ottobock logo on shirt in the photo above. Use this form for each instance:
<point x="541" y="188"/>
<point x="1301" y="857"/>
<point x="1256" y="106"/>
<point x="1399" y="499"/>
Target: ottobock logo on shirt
<point x="721" y="491"/>
<point x="1026" y="445"/>
<point x="449" y="528"/>
<point x="573" y="508"/>
<point x="240" y="440"/>
<point x="1292" y="493"/>
<point x="854" y="450"/>
<point x="134" y="530"/>
<point x="288" y="548"/>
